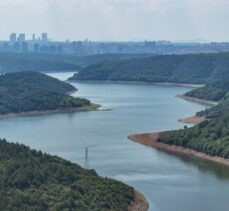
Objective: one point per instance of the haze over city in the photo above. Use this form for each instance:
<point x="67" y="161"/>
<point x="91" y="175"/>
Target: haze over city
<point x="118" y="20"/>
<point x="114" y="105"/>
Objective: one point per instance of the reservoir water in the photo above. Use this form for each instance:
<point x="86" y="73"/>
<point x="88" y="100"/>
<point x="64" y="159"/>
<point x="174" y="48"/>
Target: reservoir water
<point x="169" y="182"/>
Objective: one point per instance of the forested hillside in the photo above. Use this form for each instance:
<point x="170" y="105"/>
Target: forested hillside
<point x="212" y="135"/>
<point x="14" y="62"/>
<point x="193" y="68"/>
<point x="215" y="91"/>
<point x="33" y="91"/>
<point x="216" y="111"/>
<point x="33" y="181"/>
<point x="97" y="58"/>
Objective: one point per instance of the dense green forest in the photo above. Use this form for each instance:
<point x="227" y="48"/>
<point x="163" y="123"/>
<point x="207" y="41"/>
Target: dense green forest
<point x="212" y="135"/>
<point x="219" y="110"/>
<point x="192" y="68"/>
<point x="33" y="181"/>
<point x="215" y="91"/>
<point x="33" y="91"/>
<point x="97" y="58"/>
<point x="14" y="62"/>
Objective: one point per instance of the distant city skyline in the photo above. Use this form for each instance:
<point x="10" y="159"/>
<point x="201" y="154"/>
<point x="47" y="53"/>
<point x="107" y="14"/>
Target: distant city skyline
<point x="21" y="43"/>
<point x="44" y="36"/>
<point x="118" y="20"/>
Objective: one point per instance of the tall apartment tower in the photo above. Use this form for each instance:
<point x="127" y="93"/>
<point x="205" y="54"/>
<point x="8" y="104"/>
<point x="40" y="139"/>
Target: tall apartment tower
<point x="21" y="38"/>
<point x="34" y="37"/>
<point x="13" y="37"/>
<point x="44" y="37"/>
<point x="77" y="47"/>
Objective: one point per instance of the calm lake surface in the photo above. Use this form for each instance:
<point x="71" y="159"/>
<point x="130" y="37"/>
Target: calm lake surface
<point x="169" y="182"/>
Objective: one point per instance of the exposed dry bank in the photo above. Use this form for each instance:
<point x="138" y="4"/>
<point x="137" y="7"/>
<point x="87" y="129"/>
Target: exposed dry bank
<point x="139" y="203"/>
<point x="152" y="140"/>
<point x="197" y="100"/>
<point x="92" y="107"/>
<point x="193" y="119"/>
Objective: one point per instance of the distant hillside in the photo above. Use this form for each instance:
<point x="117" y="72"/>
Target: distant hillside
<point x="215" y="91"/>
<point x="33" y="91"/>
<point x="94" y="59"/>
<point x="14" y="62"/>
<point x="193" y="68"/>
<point x="33" y="181"/>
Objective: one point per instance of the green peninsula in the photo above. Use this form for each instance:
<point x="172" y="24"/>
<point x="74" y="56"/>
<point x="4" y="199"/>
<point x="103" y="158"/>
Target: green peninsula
<point x="211" y="136"/>
<point x="24" y="92"/>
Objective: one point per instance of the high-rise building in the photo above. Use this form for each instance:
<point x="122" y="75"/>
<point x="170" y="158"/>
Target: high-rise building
<point x="16" y="47"/>
<point x="44" y="37"/>
<point x="77" y="47"/>
<point x="6" y="46"/>
<point x="24" y="47"/>
<point x="13" y="37"/>
<point x="21" y="37"/>
<point x="34" y="37"/>
<point x="36" y="48"/>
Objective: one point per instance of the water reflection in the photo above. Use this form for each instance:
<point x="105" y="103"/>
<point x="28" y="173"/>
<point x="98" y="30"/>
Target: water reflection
<point x="219" y="170"/>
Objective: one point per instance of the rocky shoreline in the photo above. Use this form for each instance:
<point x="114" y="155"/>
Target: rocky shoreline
<point x="197" y="100"/>
<point x="139" y="203"/>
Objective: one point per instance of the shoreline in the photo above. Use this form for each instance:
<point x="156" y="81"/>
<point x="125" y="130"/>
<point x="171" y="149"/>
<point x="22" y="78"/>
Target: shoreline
<point x="193" y="119"/>
<point x="139" y="203"/>
<point x="92" y="107"/>
<point x="140" y="83"/>
<point x="151" y="139"/>
<point x="197" y="100"/>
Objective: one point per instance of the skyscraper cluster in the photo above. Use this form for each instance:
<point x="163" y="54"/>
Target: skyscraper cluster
<point x="22" y="37"/>
<point x="18" y="43"/>
<point x="41" y="44"/>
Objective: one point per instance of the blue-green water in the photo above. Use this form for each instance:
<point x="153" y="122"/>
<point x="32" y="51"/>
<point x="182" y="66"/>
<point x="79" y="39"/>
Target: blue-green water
<point x="169" y="182"/>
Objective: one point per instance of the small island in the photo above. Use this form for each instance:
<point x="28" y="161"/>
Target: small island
<point x="33" y="93"/>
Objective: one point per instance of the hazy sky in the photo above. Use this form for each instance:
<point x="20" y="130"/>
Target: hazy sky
<point x="117" y="19"/>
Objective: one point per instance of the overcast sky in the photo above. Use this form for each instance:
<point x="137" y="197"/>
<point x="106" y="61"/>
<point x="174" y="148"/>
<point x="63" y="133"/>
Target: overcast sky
<point x="117" y="19"/>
